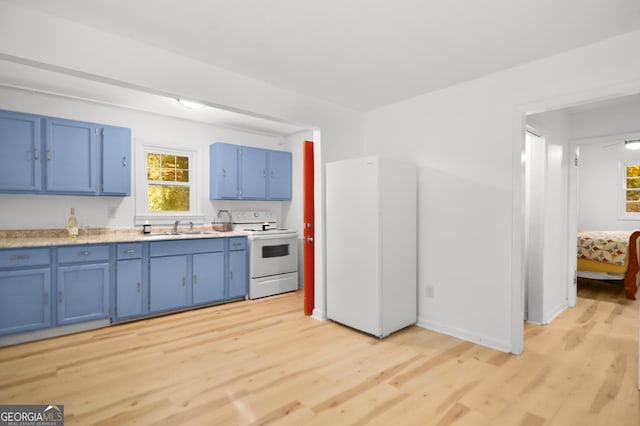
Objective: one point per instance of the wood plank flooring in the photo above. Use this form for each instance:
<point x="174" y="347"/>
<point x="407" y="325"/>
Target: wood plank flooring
<point x="263" y="362"/>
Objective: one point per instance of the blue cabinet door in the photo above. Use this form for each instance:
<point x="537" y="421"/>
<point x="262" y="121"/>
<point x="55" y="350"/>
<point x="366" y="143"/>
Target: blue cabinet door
<point x="129" y="288"/>
<point x="237" y="274"/>
<point x="208" y="277"/>
<point x="279" y="175"/>
<point x="71" y="156"/>
<point x="223" y="174"/>
<point x="116" y="161"/>
<point x="253" y="167"/>
<point x="20" y="150"/>
<point x="24" y="300"/>
<point x="83" y="293"/>
<point x="168" y="283"/>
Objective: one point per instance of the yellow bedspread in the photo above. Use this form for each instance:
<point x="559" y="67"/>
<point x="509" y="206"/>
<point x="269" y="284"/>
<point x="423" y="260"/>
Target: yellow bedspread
<point x="609" y="247"/>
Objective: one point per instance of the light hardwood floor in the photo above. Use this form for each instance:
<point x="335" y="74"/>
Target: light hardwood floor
<point x="263" y="362"/>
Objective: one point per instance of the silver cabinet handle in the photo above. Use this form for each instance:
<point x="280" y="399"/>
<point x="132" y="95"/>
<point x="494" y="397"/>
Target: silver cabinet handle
<point x="85" y="253"/>
<point x="20" y="257"/>
<point x="184" y="281"/>
<point x="231" y="275"/>
<point x="195" y="279"/>
<point x="224" y="173"/>
<point x="124" y="161"/>
<point x="48" y="154"/>
<point x="36" y="154"/>
<point x="130" y="251"/>
<point x="60" y="297"/>
<point x="46" y="298"/>
<point x="138" y="287"/>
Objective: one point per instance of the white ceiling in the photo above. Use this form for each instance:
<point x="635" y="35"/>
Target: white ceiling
<point x="362" y="54"/>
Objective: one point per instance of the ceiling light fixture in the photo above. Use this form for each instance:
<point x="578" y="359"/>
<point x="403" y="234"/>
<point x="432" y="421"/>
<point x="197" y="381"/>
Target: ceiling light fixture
<point x="632" y="144"/>
<point x="191" y="104"/>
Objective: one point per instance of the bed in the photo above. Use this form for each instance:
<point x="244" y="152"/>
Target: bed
<point x="610" y="256"/>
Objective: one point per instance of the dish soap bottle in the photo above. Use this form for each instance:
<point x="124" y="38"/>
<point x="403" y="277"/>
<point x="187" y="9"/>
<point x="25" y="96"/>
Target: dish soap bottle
<point x="72" y="224"/>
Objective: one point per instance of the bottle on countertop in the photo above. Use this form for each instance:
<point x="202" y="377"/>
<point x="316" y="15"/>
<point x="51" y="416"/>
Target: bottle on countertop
<point x="72" y="224"/>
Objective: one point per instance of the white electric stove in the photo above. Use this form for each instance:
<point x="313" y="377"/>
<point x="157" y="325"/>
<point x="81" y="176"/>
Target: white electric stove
<point x="273" y="253"/>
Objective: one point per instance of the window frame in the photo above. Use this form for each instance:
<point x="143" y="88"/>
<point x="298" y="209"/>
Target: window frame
<point x="143" y="214"/>
<point x="623" y="214"/>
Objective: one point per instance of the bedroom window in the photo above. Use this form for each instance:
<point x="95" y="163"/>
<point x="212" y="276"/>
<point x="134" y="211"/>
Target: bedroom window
<point x="631" y="189"/>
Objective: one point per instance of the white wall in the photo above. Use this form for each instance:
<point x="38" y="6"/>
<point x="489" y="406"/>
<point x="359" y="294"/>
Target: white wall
<point x="463" y="140"/>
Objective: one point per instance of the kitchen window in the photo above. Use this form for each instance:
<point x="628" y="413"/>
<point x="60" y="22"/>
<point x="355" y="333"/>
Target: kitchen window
<point x="168" y="186"/>
<point x="167" y="189"/>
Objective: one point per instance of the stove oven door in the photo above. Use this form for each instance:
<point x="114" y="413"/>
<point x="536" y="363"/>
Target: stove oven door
<point x="273" y="254"/>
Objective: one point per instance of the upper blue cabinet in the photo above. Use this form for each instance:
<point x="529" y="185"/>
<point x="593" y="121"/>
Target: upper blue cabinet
<point x="248" y="173"/>
<point x="21" y="150"/>
<point x="58" y="156"/>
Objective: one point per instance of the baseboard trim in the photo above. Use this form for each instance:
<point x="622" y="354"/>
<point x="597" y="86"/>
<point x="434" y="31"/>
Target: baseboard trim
<point x="500" y="345"/>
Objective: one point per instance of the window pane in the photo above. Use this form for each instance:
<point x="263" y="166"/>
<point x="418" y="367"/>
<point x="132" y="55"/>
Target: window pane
<point x="633" y="183"/>
<point x="633" y="171"/>
<point x="182" y="175"/>
<point x="182" y="162"/>
<point x="153" y="160"/>
<point x="633" y="207"/>
<point x="163" y="198"/>
<point x="153" y="173"/>
<point x="633" y="195"/>
<point x="168" y="161"/>
<point x="169" y="175"/>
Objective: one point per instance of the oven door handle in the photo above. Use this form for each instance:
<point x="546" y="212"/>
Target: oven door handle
<point x="274" y="236"/>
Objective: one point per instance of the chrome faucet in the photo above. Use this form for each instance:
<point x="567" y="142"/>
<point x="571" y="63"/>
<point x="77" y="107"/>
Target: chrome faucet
<point x="175" y="226"/>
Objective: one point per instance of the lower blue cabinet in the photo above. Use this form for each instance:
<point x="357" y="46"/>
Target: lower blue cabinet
<point x="208" y="277"/>
<point x="45" y="287"/>
<point x="25" y="300"/>
<point x="83" y="293"/>
<point x="168" y="283"/>
<point x="129" y="288"/>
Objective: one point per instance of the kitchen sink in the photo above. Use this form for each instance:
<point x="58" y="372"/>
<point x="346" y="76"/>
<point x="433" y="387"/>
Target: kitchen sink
<point x="169" y="233"/>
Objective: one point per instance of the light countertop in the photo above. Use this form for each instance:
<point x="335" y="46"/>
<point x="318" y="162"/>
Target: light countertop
<point x="59" y="237"/>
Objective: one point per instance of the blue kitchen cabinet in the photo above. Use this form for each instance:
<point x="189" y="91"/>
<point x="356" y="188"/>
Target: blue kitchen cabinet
<point x="116" y="161"/>
<point x="247" y="173"/>
<point x="129" y="288"/>
<point x="71" y="149"/>
<point x="168" y="283"/>
<point x="21" y="152"/>
<point x="279" y="176"/>
<point x="237" y="260"/>
<point x="223" y="171"/>
<point x="83" y="283"/>
<point x="253" y="173"/>
<point x="129" y="300"/>
<point x="208" y="277"/>
<point x="24" y="300"/>
<point x="47" y="155"/>
<point x="25" y="289"/>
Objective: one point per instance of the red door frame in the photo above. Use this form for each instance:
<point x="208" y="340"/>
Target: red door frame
<point x="309" y="225"/>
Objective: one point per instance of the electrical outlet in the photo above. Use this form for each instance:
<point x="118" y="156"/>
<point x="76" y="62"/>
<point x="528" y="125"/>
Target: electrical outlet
<point x="430" y="291"/>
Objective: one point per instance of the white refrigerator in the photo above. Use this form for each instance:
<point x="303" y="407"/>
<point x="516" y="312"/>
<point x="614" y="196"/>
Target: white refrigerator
<point x="371" y="244"/>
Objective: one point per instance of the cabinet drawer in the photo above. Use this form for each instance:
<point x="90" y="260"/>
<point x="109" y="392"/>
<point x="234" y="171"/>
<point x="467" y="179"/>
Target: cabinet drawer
<point x="25" y="257"/>
<point x="129" y="251"/>
<point x="170" y="248"/>
<point x="88" y="253"/>
<point x="238" y="243"/>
